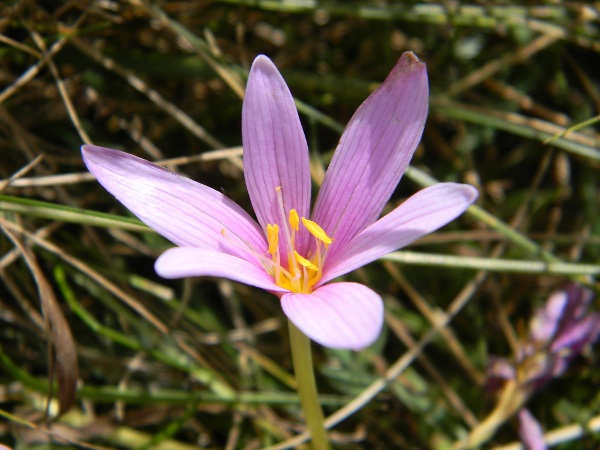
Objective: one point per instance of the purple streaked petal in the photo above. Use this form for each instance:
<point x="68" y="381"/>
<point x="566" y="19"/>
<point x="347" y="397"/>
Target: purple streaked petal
<point x="183" y="211"/>
<point x="373" y="152"/>
<point x="424" y="212"/>
<point x="545" y="322"/>
<point x="275" y="148"/>
<point x="577" y="334"/>
<point x="530" y="431"/>
<point x="576" y="308"/>
<point x="338" y="315"/>
<point x="580" y="299"/>
<point x="182" y="262"/>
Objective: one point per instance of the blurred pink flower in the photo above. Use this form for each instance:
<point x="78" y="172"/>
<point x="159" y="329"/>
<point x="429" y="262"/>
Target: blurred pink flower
<point x="285" y="252"/>
<point x="558" y="332"/>
<point x="563" y="328"/>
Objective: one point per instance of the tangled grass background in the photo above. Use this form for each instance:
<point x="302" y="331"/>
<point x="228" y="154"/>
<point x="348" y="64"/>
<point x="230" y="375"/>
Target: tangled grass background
<point x="204" y="363"/>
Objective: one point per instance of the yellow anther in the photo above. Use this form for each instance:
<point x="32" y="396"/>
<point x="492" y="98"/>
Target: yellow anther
<point x="304" y="262"/>
<point x="289" y="269"/>
<point x="294" y="219"/>
<point x="273" y="237"/>
<point x="317" y="231"/>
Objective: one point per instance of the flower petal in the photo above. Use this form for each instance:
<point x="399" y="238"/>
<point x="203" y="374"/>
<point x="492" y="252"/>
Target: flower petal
<point x="546" y="320"/>
<point x="185" y="212"/>
<point x="497" y="372"/>
<point x="338" y="315"/>
<point x="275" y="148"/>
<point x="577" y="334"/>
<point x="182" y="262"/>
<point x="424" y="212"/>
<point x="373" y="152"/>
<point x="530" y="431"/>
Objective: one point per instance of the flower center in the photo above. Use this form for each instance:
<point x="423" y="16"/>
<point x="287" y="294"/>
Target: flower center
<point x="299" y="273"/>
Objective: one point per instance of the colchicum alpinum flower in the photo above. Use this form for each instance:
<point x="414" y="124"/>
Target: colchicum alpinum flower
<point x="289" y="252"/>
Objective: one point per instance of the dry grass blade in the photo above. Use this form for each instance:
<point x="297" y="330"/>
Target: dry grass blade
<point x="60" y="338"/>
<point x="232" y="154"/>
<point x="498" y="64"/>
<point x="33" y="71"/>
<point x="84" y="268"/>
<point x="56" y="432"/>
<point x="153" y="95"/>
<point x="63" y="91"/>
<point x="231" y="78"/>
<point x="20" y="173"/>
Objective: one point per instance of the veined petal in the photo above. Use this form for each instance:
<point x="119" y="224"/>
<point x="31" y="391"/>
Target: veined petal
<point x="337" y="315"/>
<point x="424" y="212"/>
<point x="373" y="152"/>
<point x="577" y="334"/>
<point x="182" y="262"/>
<point x="183" y="211"/>
<point x="275" y="148"/>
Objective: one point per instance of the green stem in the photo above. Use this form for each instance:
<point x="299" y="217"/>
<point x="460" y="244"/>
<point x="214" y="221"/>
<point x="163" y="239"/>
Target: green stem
<point x="492" y="264"/>
<point x="307" y="388"/>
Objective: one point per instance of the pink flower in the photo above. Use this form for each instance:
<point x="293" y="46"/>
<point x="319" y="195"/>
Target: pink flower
<point x="558" y="332"/>
<point x="289" y="252"/>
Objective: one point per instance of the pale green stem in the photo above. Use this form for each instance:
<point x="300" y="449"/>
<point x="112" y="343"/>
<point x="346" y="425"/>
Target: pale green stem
<point x="307" y="388"/>
<point x="492" y="264"/>
<point x="511" y="400"/>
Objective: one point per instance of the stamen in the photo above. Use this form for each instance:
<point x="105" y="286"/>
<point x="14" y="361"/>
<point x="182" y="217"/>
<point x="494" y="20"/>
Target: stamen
<point x="247" y="248"/>
<point x="288" y="237"/>
<point x="273" y="238"/>
<point x="295" y="272"/>
<point x="317" y="231"/>
<point x="294" y="220"/>
<point x="304" y="262"/>
<point x="304" y="283"/>
<point x="318" y="259"/>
